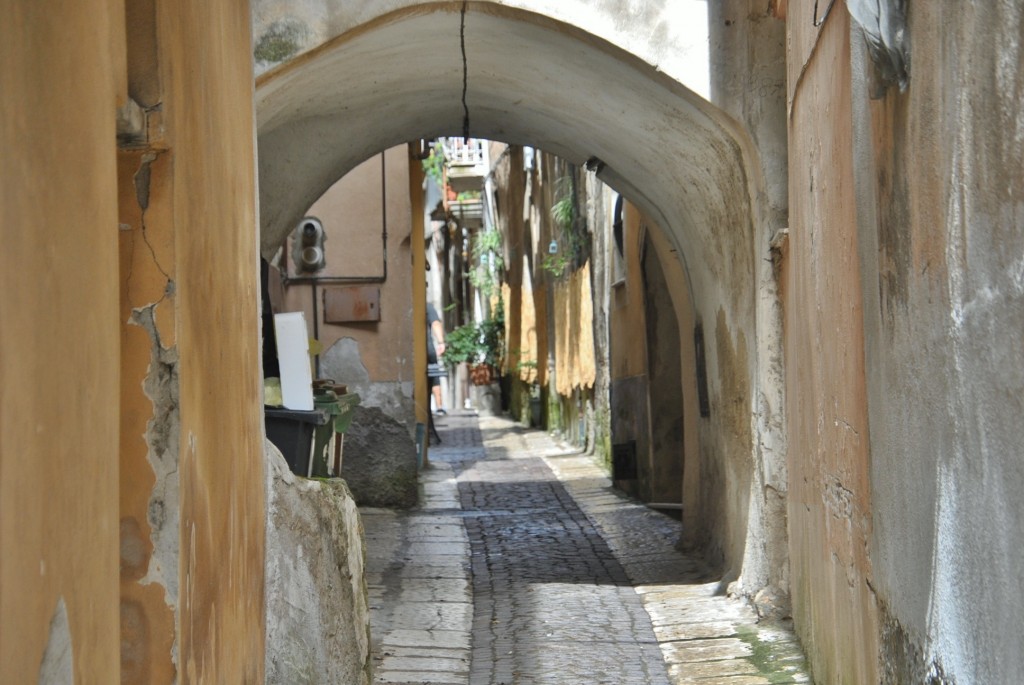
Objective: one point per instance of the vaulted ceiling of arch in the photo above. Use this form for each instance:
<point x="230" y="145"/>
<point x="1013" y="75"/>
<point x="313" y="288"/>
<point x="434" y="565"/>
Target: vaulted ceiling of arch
<point x="530" y="80"/>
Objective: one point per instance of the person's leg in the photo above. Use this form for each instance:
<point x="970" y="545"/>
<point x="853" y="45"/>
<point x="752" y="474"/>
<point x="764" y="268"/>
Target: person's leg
<point x="435" y="388"/>
<point x="438" y="401"/>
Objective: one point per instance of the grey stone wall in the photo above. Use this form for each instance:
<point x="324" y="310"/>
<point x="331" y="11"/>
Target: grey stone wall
<point x="317" y="612"/>
<point x="938" y="173"/>
<point x="379" y="460"/>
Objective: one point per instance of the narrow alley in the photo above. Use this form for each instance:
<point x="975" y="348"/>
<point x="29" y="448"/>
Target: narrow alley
<point x="522" y="565"/>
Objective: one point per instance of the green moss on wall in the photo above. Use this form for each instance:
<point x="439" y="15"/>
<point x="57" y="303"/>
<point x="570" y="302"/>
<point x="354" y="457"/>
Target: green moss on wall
<point x="282" y="40"/>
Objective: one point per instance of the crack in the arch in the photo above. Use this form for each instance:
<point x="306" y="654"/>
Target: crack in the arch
<point x="465" y="72"/>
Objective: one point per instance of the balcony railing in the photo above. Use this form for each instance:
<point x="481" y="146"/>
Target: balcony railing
<point x="467" y="163"/>
<point x="463" y="152"/>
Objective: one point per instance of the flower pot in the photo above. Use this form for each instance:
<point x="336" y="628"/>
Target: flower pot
<point x="481" y="374"/>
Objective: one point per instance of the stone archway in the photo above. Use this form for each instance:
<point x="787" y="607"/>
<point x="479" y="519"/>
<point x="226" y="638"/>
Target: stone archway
<point x="531" y="79"/>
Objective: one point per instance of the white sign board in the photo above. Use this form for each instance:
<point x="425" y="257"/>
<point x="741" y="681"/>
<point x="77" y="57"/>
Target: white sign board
<point x="293" y="356"/>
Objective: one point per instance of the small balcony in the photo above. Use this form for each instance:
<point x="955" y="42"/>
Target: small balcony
<point x="467" y="163"/>
<point x="469" y="212"/>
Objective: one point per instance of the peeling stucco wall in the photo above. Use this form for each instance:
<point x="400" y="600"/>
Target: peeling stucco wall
<point x="58" y="664"/>
<point x="150" y="423"/>
<point x="192" y="495"/>
<point x="129" y="306"/>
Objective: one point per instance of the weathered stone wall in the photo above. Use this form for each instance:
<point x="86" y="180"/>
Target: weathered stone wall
<point x="318" y="625"/>
<point x="379" y="460"/>
<point x="748" y="80"/>
<point x="941" y="221"/>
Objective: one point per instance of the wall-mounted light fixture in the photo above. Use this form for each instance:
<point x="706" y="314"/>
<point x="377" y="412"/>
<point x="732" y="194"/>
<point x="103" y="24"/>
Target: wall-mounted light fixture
<point x="308" y="246"/>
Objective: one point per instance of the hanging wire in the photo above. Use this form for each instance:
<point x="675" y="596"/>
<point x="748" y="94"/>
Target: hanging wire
<point x="817" y="21"/>
<point x="465" y="74"/>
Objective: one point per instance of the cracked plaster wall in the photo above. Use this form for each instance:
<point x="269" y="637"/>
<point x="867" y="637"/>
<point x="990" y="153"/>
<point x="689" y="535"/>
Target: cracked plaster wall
<point x="216" y="300"/>
<point x="150" y="424"/>
<point x="190" y="457"/>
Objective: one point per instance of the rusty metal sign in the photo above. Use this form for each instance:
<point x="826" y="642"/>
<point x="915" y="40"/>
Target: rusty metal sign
<point x="352" y="304"/>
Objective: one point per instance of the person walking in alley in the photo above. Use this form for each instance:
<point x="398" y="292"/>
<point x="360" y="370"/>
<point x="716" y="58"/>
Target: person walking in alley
<point x="435" y="350"/>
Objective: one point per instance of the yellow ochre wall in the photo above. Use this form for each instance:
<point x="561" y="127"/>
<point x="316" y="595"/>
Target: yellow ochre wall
<point x="629" y="355"/>
<point x="830" y="514"/>
<point x="92" y="233"/>
<point x="61" y="66"/>
<point x="208" y="96"/>
<point x="351" y="213"/>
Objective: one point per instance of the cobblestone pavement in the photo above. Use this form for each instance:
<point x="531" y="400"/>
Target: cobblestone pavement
<point x="523" y="567"/>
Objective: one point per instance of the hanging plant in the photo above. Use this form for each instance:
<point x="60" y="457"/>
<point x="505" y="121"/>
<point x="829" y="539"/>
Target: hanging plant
<point x="433" y="165"/>
<point x="573" y="232"/>
<point x="563" y="212"/>
<point x="485" y="275"/>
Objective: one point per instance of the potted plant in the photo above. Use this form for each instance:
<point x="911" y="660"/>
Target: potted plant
<point x="491" y="338"/>
<point x="479" y="345"/>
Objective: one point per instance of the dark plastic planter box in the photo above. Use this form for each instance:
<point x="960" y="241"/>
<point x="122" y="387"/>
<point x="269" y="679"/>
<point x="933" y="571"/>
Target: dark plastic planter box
<point x="292" y="431"/>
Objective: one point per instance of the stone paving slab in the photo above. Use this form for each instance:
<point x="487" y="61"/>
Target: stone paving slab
<point x="421" y="602"/>
<point x="522" y="566"/>
<point x="706" y="638"/>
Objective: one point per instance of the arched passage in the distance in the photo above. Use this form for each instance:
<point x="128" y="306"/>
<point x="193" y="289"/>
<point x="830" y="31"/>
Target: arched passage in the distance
<point x="534" y="81"/>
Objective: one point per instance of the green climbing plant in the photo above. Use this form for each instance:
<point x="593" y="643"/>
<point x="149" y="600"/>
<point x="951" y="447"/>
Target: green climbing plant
<point x="475" y="343"/>
<point x="433" y="165"/>
<point x="571" y="232"/>
<point x="488" y="263"/>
